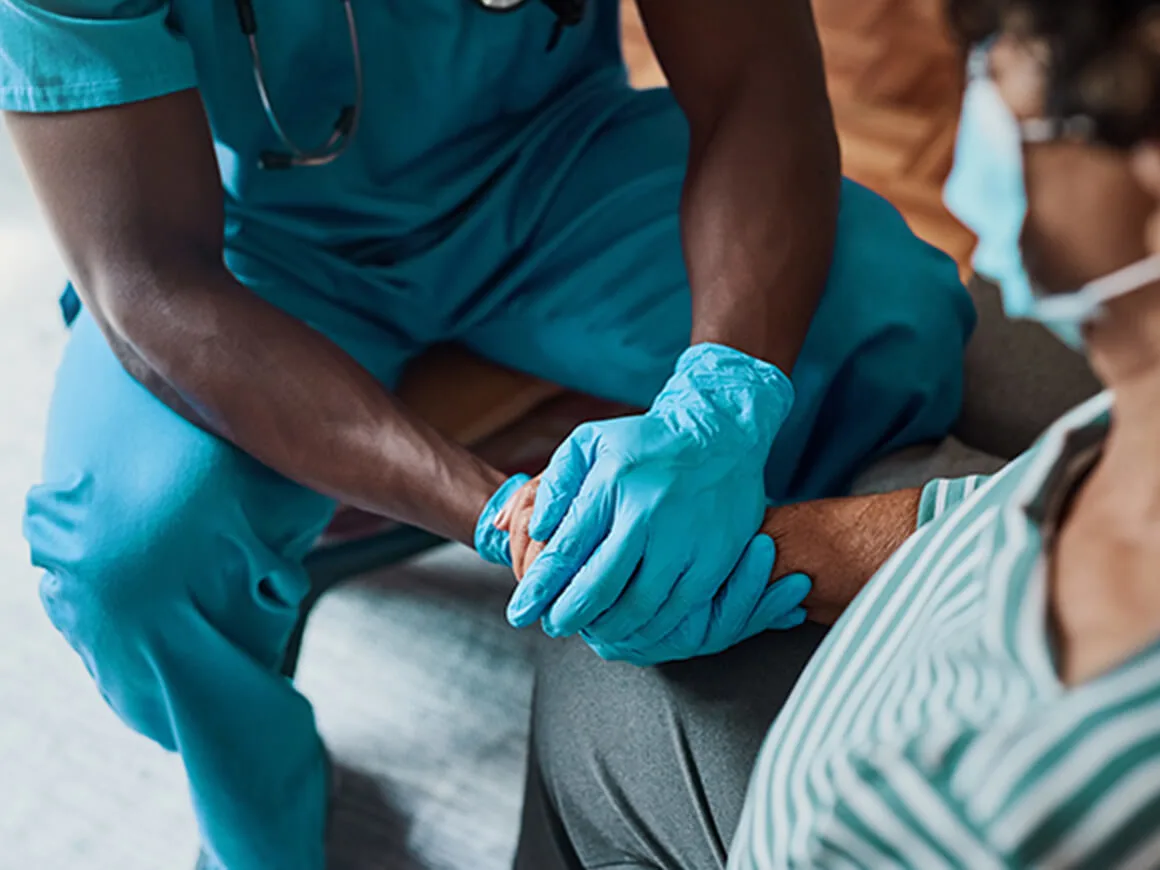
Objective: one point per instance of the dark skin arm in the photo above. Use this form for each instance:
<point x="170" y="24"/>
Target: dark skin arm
<point x="839" y="543"/>
<point x="760" y="202"/>
<point x="134" y="197"/>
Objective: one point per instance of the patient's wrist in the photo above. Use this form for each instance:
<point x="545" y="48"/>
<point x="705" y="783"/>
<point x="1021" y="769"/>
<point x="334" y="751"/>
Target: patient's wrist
<point x="839" y="543"/>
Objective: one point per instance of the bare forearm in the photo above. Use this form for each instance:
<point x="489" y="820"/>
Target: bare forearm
<point x="840" y="544"/>
<point x="291" y="398"/>
<point x="760" y="204"/>
<point x="134" y="197"/>
<point x="759" y="217"/>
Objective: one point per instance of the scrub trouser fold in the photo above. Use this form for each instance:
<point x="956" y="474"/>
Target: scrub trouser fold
<point x="173" y="561"/>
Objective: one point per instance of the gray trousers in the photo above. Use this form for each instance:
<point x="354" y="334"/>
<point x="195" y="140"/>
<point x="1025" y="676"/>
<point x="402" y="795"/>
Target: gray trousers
<point x="636" y="769"/>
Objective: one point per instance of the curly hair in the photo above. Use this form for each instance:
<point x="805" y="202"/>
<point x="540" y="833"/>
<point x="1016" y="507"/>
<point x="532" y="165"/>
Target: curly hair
<point x="1103" y="57"/>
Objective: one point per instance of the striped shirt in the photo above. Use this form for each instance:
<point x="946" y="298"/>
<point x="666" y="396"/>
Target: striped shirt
<point x="931" y="729"/>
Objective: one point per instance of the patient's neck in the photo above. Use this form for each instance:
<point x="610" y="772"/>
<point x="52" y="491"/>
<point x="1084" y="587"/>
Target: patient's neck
<point x="1125" y="351"/>
<point x="1105" y="599"/>
<point x="1128" y="475"/>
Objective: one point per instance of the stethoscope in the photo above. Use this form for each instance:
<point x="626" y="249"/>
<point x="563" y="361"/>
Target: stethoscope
<point x="568" y="13"/>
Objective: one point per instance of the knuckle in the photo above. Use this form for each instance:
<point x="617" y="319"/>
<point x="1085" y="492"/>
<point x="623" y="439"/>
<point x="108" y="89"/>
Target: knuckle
<point x="586" y="436"/>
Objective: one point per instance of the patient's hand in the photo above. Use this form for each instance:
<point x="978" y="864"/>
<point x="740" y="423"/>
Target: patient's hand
<point x="515" y="518"/>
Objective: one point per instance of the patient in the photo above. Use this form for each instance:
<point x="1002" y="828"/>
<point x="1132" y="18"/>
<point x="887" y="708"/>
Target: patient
<point x="989" y="696"/>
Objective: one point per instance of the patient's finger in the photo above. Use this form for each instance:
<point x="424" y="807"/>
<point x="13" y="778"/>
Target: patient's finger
<point x="534" y="548"/>
<point x="521" y="500"/>
<point x="523" y="548"/>
<point x="530" y="546"/>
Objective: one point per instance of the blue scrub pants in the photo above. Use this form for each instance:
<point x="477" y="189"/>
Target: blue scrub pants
<point x="173" y="561"/>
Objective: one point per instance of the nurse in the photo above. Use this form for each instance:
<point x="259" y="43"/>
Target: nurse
<point x="268" y="208"/>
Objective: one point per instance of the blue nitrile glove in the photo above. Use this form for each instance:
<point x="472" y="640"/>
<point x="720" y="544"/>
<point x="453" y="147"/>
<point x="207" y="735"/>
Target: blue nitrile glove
<point x="745" y="606"/>
<point x="491" y="543"/>
<point x="646" y="516"/>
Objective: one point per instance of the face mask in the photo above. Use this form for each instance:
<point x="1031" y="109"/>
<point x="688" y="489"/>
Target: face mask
<point x="987" y="192"/>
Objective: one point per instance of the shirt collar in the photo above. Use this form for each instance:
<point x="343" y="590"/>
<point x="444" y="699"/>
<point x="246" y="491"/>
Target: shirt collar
<point x="1068" y="451"/>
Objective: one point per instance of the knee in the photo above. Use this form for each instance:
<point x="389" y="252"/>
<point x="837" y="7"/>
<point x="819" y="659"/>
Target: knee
<point x="650" y="764"/>
<point x="571" y="722"/>
<point x="119" y="543"/>
<point x="597" y="727"/>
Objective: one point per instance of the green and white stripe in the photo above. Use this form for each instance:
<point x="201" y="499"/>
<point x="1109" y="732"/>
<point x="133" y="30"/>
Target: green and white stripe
<point x="931" y="731"/>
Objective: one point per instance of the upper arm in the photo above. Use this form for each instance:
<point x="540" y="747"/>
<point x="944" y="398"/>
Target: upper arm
<point x="99" y="98"/>
<point x="132" y="193"/>
<point x="710" y="50"/>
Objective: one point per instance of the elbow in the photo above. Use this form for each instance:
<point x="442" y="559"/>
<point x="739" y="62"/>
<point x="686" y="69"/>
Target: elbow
<point x="121" y="297"/>
<point x="132" y="296"/>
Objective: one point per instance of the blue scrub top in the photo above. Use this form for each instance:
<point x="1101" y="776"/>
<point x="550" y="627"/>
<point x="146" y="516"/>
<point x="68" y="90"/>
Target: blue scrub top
<point x="450" y="88"/>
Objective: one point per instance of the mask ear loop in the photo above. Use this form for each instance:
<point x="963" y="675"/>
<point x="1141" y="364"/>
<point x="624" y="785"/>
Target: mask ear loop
<point x="1086" y="304"/>
<point x="1134" y="277"/>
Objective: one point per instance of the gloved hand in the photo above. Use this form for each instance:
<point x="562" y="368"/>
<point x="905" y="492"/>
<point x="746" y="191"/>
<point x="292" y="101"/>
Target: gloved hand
<point x="746" y="605"/>
<point x="646" y="516"/>
<point x="491" y="541"/>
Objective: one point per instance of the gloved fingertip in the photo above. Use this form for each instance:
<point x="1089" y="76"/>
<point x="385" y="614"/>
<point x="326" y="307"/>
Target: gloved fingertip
<point x="526" y="604"/>
<point x="551" y="627"/>
<point x="758" y="559"/>
<point x="554" y="627"/>
<point x="522" y="618"/>
<point x="794" y="587"/>
<point x="793" y="619"/>
<point x="762" y="548"/>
